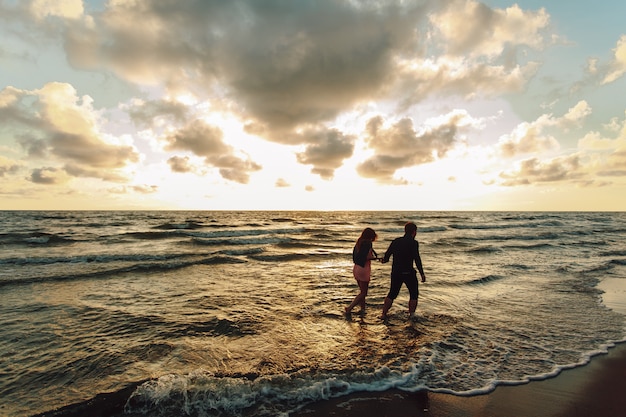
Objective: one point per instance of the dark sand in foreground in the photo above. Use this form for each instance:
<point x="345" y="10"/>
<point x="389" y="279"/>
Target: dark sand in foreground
<point x="597" y="389"/>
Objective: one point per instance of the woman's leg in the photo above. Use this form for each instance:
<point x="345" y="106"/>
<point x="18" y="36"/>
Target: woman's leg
<point x="360" y="298"/>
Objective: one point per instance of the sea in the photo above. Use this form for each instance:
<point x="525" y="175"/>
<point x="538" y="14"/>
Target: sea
<point x="241" y="313"/>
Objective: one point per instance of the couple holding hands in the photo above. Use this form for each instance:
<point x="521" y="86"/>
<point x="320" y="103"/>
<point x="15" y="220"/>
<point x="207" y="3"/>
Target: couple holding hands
<point x="405" y="252"/>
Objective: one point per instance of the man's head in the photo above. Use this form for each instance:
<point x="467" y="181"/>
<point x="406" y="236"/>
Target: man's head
<point x="410" y="229"/>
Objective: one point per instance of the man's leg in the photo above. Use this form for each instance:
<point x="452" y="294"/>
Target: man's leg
<point x="394" y="290"/>
<point x="413" y="288"/>
<point x="386" y="306"/>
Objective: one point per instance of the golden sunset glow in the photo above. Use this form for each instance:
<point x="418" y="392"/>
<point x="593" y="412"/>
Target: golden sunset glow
<point x="436" y="105"/>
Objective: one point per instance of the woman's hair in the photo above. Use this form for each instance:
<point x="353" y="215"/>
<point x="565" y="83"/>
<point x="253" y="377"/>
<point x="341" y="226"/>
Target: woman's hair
<point x="367" y="234"/>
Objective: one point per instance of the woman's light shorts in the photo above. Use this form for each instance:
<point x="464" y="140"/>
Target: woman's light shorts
<point x="362" y="273"/>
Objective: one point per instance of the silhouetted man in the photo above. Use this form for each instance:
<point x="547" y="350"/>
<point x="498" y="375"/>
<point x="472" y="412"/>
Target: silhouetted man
<point x="405" y="252"/>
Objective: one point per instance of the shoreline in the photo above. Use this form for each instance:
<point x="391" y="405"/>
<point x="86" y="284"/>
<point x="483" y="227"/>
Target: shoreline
<point x="594" y="389"/>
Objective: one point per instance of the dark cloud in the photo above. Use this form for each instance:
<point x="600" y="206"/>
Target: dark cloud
<point x="83" y="171"/>
<point x="146" y="113"/>
<point x="401" y="146"/>
<point x="206" y="141"/>
<point x="200" y="138"/>
<point x="180" y="164"/>
<point x="326" y="152"/>
<point x="48" y="176"/>
<point x="34" y="147"/>
<point x="234" y="168"/>
<point x="383" y="168"/>
<point x="284" y="63"/>
<point x="90" y="151"/>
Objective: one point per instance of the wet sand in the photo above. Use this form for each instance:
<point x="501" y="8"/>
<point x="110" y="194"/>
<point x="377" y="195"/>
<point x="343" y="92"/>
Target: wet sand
<point x="597" y="389"/>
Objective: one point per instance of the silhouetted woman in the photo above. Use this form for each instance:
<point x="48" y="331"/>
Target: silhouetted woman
<point x="362" y="254"/>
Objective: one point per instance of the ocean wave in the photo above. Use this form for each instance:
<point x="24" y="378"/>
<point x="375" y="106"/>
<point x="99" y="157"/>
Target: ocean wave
<point x="241" y="252"/>
<point x="519" y="266"/>
<point x="613" y="253"/>
<point x="282" y="219"/>
<point x="295" y="244"/>
<point x="149" y="267"/>
<point x="224" y="234"/>
<point x="606" y="266"/>
<point x="34" y="239"/>
<point x="431" y="229"/>
<point x="95" y="259"/>
<point x="283" y="257"/>
<point x="188" y="225"/>
<point x="485" y="226"/>
<point x="155" y="235"/>
<point x="530" y="247"/>
<point x="201" y="393"/>
<point x="485" y="249"/>
<point x="486" y="279"/>
<point x="265" y="240"/>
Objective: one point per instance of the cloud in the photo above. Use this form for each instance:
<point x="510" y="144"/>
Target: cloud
<point x="402" y="146"/>
<point x="144" y="189"/>
<point x="8" y="167"/>
<point x="610" y="153"/>
<point x="470" y="27"/>
<point x="527" y="138"/>
<point x="282" y="183"/>
<point x="530" y="137"/>
<point x="534" y="171"/>
<point x="284" y="65"/>
<point x="596" y="156"/>
<point x="574" y="116"/>
<point x="284" y="62"/>
<point x="139" y="189"/>
<point x="205" y="140"/>
<point x="81" y="171"/>
<point x="155" y="112"/>
<point x="475" y="52"/>
<point x="68" y="9"/>
<point x="48" y="176"/>
<point x="180" y="164"/>
<point x="53" y="122"/>
<point x="326" y="151"/>
<point x="200" y="138"/>
<point x="459" y="76"/>
<point x="617" y="67"/>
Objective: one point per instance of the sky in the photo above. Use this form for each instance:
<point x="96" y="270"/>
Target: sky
<point x="312" y="105"/>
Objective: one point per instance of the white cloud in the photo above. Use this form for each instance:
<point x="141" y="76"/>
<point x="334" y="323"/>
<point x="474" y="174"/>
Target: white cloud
<point x="470" y="27"/>
<point x="69" y="9"/>
<point x="531" y="137"/>
<point x="617" y="68"/>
